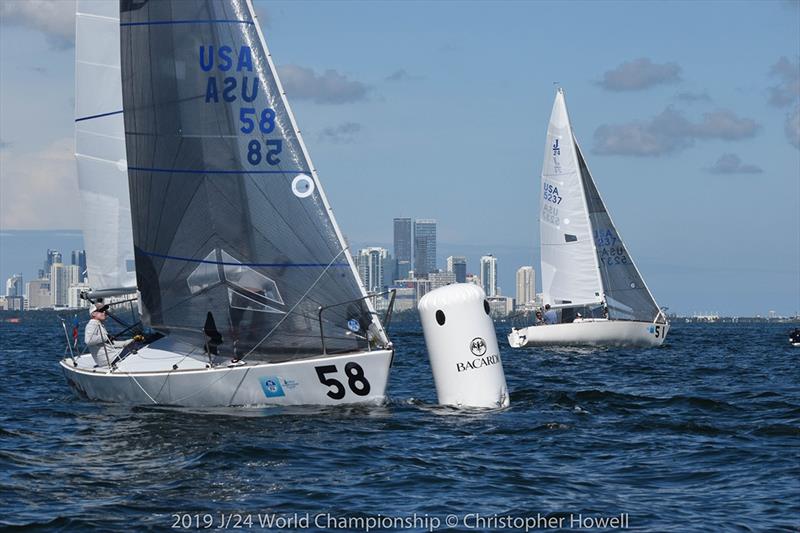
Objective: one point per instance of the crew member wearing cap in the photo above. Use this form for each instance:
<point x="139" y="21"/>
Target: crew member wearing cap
<point x="96" y="338"/>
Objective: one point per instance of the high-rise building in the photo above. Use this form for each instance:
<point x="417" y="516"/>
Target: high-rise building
<point x="500" y="306"/>
<point x="526" y="286"/>
<point x="53" y="257"/>
<point x="74" y="292"/>
<point x="402" y="247"/>
<point x="14" y="286"/>
<point x="489" y="275"/>
<point x="79" y="259"/>
<point x="424" y="247"/>
<point x="458" y="265"/>
<point x="61" y="278"/>
<point x="440" y="279"/>
<point x="373" y="266"/>
<point x="38" y="295"/>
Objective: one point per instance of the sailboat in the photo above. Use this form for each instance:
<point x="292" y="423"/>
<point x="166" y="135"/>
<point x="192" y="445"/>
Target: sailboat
<point x="593" y="291"/>
<point x="248" y="292"/>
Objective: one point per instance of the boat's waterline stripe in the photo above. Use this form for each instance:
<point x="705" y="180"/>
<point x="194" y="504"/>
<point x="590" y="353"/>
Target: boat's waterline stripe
<point x="231" y="263"/>
<point x="200" y="171"/>
<point x="191" y="21"/>
<point x="99" y="116"/>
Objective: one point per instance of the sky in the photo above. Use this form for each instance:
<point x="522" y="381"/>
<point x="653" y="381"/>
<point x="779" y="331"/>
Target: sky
<point x="688" y="114"/>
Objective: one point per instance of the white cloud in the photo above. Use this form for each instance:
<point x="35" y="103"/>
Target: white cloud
<point x="670" y="132"/>
<point x="39" y="190"/>
<point x="792" y="127"/>
<point x="402" y="75"/>
<point x="54" y="18"/>
<point x="342" y="134"/>
<point x="329" y="87"/>
<point x="732" y="164"/>
<point x="787" y="92"/>
<point x="640" y="74"/>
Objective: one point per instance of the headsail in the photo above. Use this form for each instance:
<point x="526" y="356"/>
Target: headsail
<point x="232" y="231"/>
<point x="627" y="296"/>
<point x="569" y="268"/>
<point x="100" y="148"/>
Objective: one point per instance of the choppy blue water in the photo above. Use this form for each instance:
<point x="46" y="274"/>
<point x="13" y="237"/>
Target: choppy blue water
<point x="701" y="434"/>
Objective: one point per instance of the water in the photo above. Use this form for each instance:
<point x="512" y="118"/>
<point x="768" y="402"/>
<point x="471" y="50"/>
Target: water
<point x="701" y="434"/>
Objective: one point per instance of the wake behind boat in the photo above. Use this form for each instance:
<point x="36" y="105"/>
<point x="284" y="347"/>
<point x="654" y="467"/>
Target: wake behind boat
<point x="248" y="293"/>
<point x="594" y="291"/>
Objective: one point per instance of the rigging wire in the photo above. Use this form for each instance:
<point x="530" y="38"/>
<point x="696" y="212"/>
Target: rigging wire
<point x="324" y="271"/>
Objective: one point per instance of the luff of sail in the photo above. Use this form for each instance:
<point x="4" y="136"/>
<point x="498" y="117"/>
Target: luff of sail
<point x="569" y="269"/>
<point x="100" y="149"/>
<point x="233" y="236"/>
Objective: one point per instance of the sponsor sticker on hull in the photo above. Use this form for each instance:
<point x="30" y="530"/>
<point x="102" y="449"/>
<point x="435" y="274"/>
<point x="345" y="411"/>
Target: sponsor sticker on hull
<point x="272" y="386"/>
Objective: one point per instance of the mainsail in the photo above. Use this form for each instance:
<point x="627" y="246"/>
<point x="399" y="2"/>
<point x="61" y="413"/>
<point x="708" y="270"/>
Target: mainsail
<point x="100" y="148"/>
<point x="569" y="264"/>
<point x="234" y="239"/>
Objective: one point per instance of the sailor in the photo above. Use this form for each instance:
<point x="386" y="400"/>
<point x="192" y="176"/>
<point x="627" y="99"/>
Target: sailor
<point x="539" y="318"/>
<point x="97" y="339"/>
<point x="550" y="315"/>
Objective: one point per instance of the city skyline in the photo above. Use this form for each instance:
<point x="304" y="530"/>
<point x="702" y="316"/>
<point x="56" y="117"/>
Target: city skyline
<point x="693" y="142"/>
<point x="74" y="237"/>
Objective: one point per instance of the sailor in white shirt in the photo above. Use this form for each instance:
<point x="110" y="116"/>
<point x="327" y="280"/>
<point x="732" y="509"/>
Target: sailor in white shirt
<point x="103" y="349"/>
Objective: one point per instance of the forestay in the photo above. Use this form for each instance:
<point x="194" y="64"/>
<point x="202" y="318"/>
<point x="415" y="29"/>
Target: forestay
<point x="100" y="148"/>
<point x="235" y="242"/>
<point x="569" y="267"/>
<point x="627" y="296"/>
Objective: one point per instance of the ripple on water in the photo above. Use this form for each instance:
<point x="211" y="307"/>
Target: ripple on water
<point x="701" y="430"/>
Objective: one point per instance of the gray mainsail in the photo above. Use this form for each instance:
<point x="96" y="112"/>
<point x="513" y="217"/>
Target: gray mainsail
<point x="233" y="237"/>
<point x="627" y="296"/>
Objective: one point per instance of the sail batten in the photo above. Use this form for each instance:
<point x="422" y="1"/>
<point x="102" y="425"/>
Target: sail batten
<point x="230" y="220"/>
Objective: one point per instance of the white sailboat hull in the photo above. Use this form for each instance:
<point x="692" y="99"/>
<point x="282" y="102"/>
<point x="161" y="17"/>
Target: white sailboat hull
<point x="590" y="332"/>
<point x="324" y="380"/>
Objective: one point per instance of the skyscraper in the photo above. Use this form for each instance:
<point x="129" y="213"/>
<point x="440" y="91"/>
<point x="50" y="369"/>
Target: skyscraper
<point x="38" y="294"/>
<point x="489" y="275"/>
<point x="53" y="257"/>
<point x="61" y="278"/>
<point x="526" y="286"/>
<point x="402" y="247"/>
<point x="458" y="265"/>
<point x="373" y="264"/>
<point x="424" y="247"/>
<point x="79" y="259"/>
<point x="14" y="286"/>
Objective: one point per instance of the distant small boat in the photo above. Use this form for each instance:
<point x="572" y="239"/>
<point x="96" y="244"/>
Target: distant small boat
<point x="12" y="320"/>
<point x="794" y="337"/>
